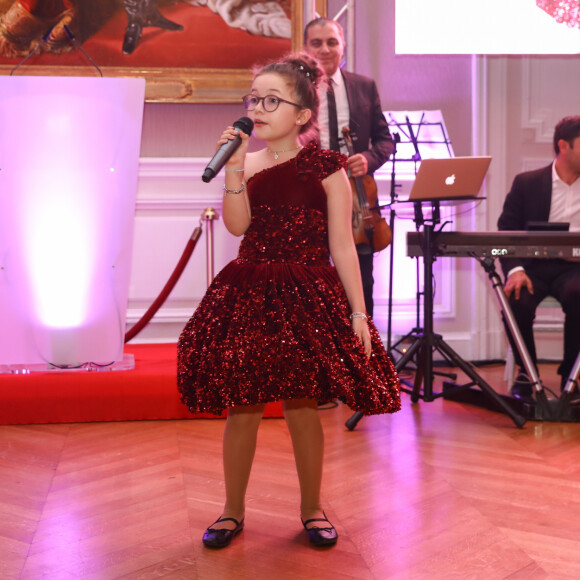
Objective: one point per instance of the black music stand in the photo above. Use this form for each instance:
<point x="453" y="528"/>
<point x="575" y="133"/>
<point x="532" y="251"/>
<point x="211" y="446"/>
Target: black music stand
<point x="428" y="341"/>
<point x="424" y="128"/>
<point x="394" y="185"/>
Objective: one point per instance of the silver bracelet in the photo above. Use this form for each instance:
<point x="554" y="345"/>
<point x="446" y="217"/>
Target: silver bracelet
<point x="235" y="191"/>
<point x="236" y="170"/>
<point x="359" y="315"/>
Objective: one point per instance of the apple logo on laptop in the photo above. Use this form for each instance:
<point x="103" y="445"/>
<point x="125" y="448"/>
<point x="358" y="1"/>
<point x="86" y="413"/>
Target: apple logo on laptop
<point x="450" y="180"/>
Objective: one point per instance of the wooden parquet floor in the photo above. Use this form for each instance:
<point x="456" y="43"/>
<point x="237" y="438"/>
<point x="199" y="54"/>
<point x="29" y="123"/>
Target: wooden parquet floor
<point x="439" y="490"/>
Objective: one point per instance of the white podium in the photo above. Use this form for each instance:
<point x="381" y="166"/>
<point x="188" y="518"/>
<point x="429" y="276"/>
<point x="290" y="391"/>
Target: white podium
<point x="69" y="157"/>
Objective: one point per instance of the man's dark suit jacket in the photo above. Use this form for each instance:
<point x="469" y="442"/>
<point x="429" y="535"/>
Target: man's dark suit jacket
<point x="528" y="200"/>
<point x="368" y="127"/>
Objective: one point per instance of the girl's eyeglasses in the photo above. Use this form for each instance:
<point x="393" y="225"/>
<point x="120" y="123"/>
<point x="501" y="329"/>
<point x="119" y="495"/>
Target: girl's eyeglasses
<point x="269" y="102"/>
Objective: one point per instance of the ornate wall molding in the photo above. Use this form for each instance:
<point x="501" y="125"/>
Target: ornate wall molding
<point x="550" y="91"/>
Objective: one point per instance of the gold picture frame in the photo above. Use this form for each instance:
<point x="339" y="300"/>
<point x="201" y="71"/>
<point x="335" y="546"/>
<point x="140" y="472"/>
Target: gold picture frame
<point x="173" y="85"/>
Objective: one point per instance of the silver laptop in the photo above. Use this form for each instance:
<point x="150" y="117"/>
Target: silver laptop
<point x="454" y="178"/>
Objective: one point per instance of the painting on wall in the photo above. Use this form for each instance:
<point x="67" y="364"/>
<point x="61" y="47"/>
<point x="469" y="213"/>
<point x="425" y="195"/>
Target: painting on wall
<point x="197" y="51"/>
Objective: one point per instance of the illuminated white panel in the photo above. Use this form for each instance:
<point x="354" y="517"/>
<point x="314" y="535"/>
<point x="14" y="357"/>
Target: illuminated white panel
<point x="69" y="156"/>
<point x="489" y="27"/>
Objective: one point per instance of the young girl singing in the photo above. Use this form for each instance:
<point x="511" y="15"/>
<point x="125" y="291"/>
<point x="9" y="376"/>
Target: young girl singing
<point x="281" y="323"/>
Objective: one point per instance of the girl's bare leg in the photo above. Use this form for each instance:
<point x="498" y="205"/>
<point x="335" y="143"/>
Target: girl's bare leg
<point x="239" y="448"/>
<point x="307" y="436"/>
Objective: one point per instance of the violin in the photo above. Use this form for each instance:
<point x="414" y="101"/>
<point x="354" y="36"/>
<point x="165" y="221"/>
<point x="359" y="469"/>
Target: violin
<point x="368" y="227"/>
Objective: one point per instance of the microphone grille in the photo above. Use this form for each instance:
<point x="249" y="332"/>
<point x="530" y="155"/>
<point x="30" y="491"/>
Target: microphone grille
<point x="244" y="124"/>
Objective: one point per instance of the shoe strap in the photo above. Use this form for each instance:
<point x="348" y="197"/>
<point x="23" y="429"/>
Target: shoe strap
<point x="315" y="520"/>
<point x="305" y="523"/>
<point x="227" y="520"/>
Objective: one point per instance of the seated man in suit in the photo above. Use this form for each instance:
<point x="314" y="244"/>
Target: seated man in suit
<point x="548" y="194"/>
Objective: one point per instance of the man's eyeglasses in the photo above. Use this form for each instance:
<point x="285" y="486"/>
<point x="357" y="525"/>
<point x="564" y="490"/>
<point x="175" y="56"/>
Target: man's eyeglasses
<point x="269" y="102"/>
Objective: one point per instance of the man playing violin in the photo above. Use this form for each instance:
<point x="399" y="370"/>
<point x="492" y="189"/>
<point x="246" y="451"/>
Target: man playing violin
<point x="358" y="107"/>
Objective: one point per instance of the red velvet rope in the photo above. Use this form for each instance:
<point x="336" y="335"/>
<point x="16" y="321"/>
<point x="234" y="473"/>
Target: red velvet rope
<point x="158" y="302"/>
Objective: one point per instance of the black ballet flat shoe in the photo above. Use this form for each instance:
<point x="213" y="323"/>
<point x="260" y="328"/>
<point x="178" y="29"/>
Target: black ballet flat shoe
<point x="326" y="536"/>
<point x="221" y="537"/>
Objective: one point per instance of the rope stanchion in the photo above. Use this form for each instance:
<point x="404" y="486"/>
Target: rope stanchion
<point x="210" y="215"/>
<point x="158" y="302"/>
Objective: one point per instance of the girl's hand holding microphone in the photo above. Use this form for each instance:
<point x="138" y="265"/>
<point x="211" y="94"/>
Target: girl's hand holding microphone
<point x="232" y="139"/>
<point x="236" y="161"/>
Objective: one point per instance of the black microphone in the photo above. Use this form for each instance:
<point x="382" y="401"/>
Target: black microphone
<point x="78" y="46"/>
<point x="417" y="156"/>
<point x="227" y="149"/>
<point x="33" y="51"/>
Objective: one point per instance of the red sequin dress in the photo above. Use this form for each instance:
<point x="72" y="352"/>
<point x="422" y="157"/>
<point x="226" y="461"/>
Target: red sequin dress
<point x="274" y="324"/>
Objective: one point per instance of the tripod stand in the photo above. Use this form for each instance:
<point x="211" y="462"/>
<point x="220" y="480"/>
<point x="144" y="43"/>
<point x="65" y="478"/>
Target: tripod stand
<point x="418" y="330"/>
<point x="428" y="341"/>
<point x="435" y="135"/>
<point x="542" y="402"/>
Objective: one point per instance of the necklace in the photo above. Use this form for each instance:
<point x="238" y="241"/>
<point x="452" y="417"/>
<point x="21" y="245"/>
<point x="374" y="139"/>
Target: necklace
<point x="283" y="151"/>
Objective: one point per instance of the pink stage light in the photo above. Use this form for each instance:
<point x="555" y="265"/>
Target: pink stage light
<point x="69" y="157"/>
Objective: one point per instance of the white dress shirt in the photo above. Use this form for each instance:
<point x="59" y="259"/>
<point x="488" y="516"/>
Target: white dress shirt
<point x="342" y="111"/>
<point x="565" y="204"/>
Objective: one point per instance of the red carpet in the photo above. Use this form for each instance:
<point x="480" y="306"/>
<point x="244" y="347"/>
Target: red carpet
<point x="148" y="392"/>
